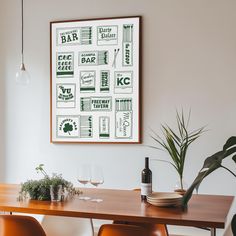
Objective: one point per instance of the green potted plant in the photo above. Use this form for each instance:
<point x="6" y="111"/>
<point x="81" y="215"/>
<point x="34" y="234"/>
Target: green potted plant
<point x="176" y="144"/>
<point x="211" y="164"/>
<point x="40" y="189"/>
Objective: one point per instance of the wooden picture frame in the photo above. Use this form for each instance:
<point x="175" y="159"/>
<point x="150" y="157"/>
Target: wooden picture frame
<point x="95" y="71"/>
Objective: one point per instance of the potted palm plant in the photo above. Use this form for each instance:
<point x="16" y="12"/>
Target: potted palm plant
<point x="176" y="144"/>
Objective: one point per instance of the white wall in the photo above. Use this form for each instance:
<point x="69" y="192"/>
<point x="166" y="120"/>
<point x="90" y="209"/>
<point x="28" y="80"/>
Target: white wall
<point x="2" y="99"/>
<point x="189" y="61"/>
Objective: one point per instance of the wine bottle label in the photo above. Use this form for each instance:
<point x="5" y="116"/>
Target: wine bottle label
<point x="146" y="189"/>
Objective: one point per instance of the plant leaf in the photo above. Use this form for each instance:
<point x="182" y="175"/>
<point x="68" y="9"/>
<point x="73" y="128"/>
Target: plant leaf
<point x="155" y="147"/>
<point x="159" y="141"/>
<point x="234" y="158"/>
<point x="230" y="142"/>
<point x="166" y="162"/>
<point x="211" y="164"/>
<point x="175" y="136"/>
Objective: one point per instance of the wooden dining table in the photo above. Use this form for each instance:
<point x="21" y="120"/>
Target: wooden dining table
<point x="207" y="211"/>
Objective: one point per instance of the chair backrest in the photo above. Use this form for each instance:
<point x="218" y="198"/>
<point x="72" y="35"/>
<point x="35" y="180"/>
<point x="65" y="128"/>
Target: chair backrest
<point x="233" y="225"/>
<point x="151" y="229"/>
<point x="17" y="225"/>
<point x="121" y="230"/>
<point x="67" y="226"/>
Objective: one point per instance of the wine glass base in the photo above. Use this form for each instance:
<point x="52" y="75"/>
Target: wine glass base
<point x="96" y="200"/>
<point x="84" y="198"/>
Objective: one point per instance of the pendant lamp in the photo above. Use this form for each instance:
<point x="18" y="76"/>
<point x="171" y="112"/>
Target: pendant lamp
<point x="22" y="76"/>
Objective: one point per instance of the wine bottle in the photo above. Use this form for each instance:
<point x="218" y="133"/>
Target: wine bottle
<point x="146" y="180"/>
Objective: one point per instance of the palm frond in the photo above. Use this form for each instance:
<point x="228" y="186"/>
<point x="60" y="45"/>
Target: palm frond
<point x="175" y="136"/>
<point x="176" y="143"/>
<point x="156" y="148"/>
<point x="166" y="162"/>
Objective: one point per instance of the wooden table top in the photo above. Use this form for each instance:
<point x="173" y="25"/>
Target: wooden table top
<point x="203" y="210"/>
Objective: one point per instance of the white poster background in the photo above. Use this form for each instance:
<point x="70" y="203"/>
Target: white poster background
<point x="78" y="48"/>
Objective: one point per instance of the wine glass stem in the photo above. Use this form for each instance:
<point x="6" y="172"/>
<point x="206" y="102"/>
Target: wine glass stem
<point x="98" y="199"/>
<point x="96" y="192"/>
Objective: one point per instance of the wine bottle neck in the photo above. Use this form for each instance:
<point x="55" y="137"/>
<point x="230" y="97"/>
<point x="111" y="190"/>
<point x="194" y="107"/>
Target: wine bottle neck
<point x="147" y="163"/>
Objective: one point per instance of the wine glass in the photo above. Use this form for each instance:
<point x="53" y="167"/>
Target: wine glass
<point x="96" y="179"/>
<point x="83" y="177"/>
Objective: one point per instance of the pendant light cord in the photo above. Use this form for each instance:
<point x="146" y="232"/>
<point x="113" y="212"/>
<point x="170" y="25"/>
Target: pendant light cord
<point x="22" y="31"/>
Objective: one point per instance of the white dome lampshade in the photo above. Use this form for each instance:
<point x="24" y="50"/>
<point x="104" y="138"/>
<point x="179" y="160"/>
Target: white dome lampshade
<point x="22" y="76"/>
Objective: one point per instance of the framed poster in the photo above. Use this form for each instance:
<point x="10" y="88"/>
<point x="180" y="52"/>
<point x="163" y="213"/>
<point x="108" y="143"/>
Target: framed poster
<point x="95" y="80"/>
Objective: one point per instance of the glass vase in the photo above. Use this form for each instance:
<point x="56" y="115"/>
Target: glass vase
<point x="180" y="189"/>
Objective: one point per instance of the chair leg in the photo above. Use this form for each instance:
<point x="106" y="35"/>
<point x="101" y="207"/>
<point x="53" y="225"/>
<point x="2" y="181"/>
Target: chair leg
<point x="213" y="232"/>
<point x="91" y="221"/>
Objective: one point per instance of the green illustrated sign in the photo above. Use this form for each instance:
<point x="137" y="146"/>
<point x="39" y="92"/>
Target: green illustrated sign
<point x="124" y="124"/>
<point x="65" y="64"/>
<point x="87" y="81"/>
<point x="72" y="36"/>
<point x="104" y="81"/>
<point x="104" y="127"/>
<point x="67" y="126"/>
<point x="95" y="103"/>
<point x="123" y="81"/>
<point x="127" y="45"/>
<point x="94" y="58"/>
<point x="107" y="35"/>
<point x="124" y="104"/>
<point x="66" y="95"/>
<point x="116" y="52"/>
<point x="86" y="126"/>
<point x="124" y="118"/>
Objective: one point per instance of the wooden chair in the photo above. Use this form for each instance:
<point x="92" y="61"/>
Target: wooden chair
<point x="233" y="225"/>
<point x="121" y="230"/>
<point x="67" y="226"/>
<point x="151" y="229"/>
<point x="16" y="225"/>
